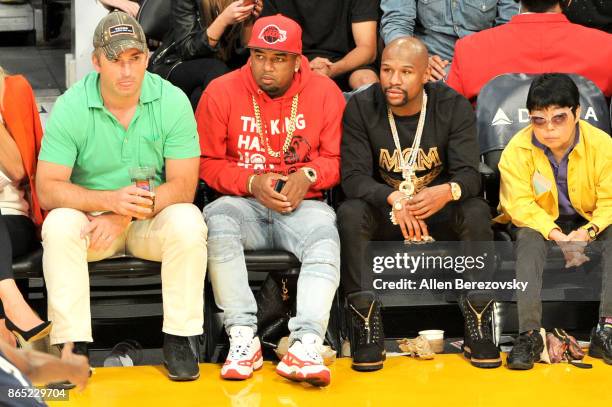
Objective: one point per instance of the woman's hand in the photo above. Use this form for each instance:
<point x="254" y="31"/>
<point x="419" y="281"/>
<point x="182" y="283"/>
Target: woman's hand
<point x="236" y="13"/>
<point x="127" y="6"/>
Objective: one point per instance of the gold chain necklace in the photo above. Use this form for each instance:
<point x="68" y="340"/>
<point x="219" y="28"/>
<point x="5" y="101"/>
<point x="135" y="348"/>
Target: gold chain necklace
<point x="407" y="187"/>
<point x="290" y="130"/>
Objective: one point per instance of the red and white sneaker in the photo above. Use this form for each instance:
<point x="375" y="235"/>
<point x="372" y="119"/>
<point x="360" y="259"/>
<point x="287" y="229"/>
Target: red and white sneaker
<point x="244" y="354"/>
<point x="303" y="362"/>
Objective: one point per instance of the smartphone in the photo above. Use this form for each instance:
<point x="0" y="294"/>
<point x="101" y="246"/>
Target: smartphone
<point x="279" y="185"/>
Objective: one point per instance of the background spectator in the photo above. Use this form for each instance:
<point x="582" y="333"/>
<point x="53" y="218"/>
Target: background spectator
<point x="590" y="13"/>
<point x="539" y="40"/>
<point x="20" y="136"/>
<point x="440" y="24"/>
<point x="339" y="36"/>
<point x="205" y="39"/>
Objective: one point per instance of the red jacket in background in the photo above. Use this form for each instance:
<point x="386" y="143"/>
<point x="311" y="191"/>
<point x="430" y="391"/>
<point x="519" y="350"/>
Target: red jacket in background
<point x="231" y="148"/>
<point x="532" y="43"/>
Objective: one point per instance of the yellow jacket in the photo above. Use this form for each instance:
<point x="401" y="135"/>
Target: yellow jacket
<point x="524" y="168"/>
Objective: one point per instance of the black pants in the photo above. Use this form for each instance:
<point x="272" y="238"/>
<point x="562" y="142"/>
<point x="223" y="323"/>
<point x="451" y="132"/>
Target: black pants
<point x="359" y="223"/>
<point x="193" y="76"/>
<point x="531" y="253"/>
<point x="17" y="237"/>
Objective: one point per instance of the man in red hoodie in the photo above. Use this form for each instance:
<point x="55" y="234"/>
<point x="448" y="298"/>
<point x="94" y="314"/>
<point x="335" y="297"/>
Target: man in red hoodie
<point x="270" y="138"/>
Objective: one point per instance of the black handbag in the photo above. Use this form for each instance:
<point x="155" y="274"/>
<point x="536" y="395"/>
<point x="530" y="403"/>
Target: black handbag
<point x="275" y="306"/>
<point x="154" y="18"/>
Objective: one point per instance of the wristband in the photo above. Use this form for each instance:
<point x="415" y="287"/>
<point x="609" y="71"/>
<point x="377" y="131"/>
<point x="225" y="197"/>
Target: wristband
<point x="250" y="184"/>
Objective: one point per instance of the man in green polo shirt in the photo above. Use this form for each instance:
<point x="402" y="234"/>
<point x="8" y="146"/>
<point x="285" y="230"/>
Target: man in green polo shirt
<point x="115" y="120"/>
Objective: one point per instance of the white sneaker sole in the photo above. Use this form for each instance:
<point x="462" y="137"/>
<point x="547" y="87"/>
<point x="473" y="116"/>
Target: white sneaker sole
<point x="319" y="378"/>
<point x="234" y="374"/>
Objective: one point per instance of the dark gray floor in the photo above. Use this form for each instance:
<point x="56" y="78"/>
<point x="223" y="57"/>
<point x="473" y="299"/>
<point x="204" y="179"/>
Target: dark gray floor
<point x="42" y="66"/>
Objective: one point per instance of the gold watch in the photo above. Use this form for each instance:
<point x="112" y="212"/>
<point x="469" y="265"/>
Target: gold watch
<point x="592" y="232"/>
<point x="455" y="191"/>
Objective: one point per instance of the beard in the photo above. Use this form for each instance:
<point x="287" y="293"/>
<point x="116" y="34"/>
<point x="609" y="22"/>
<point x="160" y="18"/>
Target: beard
<point x="271" y="90"/>
<point x="402" y="102"/>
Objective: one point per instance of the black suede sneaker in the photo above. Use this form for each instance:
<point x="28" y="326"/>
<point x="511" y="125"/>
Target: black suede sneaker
<point x="367" y="337"/>
<point x="526" y="351"/>
<point x="601" y="343"/>
<point x="79" y="348"/>
<point x="181" y="357"/>
<point x="478" y="345"/>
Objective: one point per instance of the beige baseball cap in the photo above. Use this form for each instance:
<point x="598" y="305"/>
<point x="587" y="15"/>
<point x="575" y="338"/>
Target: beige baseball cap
<point x="117" y="32"/>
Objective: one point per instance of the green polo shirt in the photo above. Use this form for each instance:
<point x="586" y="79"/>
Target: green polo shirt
<point x="83" y="135"/>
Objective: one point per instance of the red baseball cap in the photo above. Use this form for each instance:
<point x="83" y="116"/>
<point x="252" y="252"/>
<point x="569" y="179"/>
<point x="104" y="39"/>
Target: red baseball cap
<point x="277" y="33"/>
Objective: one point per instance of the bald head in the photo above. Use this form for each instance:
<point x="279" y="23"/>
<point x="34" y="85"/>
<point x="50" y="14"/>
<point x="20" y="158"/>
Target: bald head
<point x="404" y="70"/>
<point x="408" y="50"/>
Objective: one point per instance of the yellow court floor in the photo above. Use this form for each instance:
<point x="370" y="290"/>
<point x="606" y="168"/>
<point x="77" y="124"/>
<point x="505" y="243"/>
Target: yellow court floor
<point x="448" y="380"/>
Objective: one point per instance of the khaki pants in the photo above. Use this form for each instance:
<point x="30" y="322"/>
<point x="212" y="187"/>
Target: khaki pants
<point x="176" y="236"/>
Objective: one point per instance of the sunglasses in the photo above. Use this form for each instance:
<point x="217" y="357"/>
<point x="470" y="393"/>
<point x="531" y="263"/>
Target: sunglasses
<point x="557" y="120"/>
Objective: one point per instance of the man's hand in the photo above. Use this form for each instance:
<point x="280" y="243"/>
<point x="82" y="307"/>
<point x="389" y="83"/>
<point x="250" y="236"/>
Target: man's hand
<point x="572" y="248"/>
<point x="579" y="235"/>
<point x="262" y="189"/>
<point x="296" y="188"/>
<point x="77" y="367"/>
<point x="411" y="227"/>
<point x="321" y="66"/>
<point x="437" y="65"/>
<point x="104" y="229"/>
<point x="429" y="201"/>
<point x="132" y="201"/>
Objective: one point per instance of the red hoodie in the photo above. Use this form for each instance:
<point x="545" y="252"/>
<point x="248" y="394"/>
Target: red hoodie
<point x="231" y="147"/>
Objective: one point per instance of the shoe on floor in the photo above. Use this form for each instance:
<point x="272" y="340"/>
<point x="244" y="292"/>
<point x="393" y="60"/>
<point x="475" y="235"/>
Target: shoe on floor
<point x="367" y="337"/>
<point x="181" y="357"/>
<point x="478" y="345"/>
<point x="244" y="355"/>
<point x="303" y="362"/>
<point x="601" y="343"/>
<point x="526" y="351"/>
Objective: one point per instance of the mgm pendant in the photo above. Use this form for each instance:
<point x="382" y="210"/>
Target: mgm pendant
<point x="407" y="188"/>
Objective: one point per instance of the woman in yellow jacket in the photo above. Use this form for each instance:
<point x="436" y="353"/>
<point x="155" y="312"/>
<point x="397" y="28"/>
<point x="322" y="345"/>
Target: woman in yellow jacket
<point x="556" y="184"/>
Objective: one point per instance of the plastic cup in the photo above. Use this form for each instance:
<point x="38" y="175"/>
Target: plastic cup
<point x="143" y="177"/>
<point x="435" y="337"/>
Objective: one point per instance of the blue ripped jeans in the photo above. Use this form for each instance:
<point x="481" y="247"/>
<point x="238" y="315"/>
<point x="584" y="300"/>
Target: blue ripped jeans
<point x="236" y="224"/>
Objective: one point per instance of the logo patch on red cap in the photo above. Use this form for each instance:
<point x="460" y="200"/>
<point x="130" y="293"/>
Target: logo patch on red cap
<point x="272" y="34"/>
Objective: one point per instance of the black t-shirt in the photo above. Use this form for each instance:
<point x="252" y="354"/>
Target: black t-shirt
<point x="11" y="380"/>
<point x="448" y="150"/>
<point x="326" y="24"/>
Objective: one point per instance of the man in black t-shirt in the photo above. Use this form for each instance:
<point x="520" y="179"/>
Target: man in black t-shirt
<point x="339" y="37"/>
<point x="431" y="190"/>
